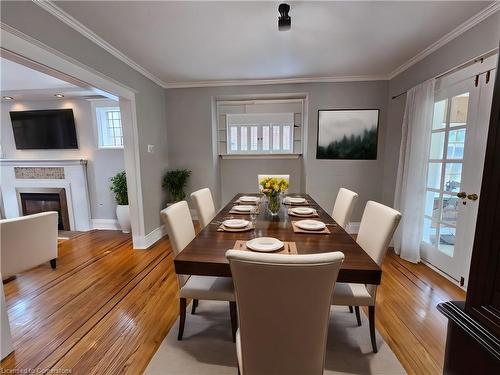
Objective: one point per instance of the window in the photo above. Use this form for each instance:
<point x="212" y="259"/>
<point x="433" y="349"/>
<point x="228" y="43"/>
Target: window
<point x="109" y="127"/>
<point x="250" y="133"/>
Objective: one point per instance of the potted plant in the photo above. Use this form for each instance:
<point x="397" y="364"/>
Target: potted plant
<point x="174" y="183"/>
<point x="119" y="188"/>
<point x="272" y="187"/>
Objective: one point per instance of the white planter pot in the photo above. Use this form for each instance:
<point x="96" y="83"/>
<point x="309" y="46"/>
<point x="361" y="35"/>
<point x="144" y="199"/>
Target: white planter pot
<point x="123" y="216"/>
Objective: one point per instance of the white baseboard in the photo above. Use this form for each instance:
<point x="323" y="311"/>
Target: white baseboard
<point x="353" y="227"/>
<point x="108" y="224"/>
<point x="142" y="243"/>
<point x="444" y="274"/>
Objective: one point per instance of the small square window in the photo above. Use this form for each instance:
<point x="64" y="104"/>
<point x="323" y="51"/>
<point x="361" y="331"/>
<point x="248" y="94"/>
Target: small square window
<point x="109" y="127"/>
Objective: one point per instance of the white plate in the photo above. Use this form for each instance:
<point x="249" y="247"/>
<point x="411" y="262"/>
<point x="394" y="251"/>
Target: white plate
<point x="265" y="244"/>
<point x="296" y="200"/>
<point x="303" y="210"/>
<point x="243" y="208"/>
<point x="310" y="225"/>
<point x="249" y="199"/>
<point x="235" y="223"/>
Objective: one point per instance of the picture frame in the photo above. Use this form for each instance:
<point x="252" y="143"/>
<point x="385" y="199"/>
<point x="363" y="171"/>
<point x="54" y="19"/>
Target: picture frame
<point x="347" y="134"/>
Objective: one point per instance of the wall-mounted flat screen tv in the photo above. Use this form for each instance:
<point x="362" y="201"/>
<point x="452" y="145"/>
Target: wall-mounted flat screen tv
<point x="44" y="129"/>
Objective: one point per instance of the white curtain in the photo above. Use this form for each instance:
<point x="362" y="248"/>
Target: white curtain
<point x="412" y="169"/>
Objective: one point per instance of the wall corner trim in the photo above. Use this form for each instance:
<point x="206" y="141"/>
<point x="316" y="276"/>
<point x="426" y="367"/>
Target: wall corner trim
<point x="459" y="30"/>
<point x="145" y="242"/>
<point x="105" y="224"/>
<point x="89" y="34"/>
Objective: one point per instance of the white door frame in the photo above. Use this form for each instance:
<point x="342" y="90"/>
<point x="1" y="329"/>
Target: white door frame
<point x="18" y="45"/>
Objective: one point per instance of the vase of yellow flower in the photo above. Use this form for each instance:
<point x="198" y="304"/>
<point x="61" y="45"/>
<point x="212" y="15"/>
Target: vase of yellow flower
<point x="272" y="187"/>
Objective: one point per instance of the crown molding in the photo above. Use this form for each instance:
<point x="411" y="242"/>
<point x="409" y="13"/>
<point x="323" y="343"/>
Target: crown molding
<point x="462" y="28"/>
<point x="278" y="81"/>
<point x="89" y="34"/>
<point x="82" y="29"/>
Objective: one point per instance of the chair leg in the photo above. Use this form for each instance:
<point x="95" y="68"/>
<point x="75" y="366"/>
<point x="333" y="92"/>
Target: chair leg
<point x="358" y="317"/>
<point x="234" y="319"/>
<point x="194" y="306"/>
<point x="371" y="318"/>
<point x="182" y="318"/>
<point x="53" y="263"/>
<point x="350" y="309"/>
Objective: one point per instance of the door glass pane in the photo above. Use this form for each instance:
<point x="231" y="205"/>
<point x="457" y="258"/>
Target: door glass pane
<point x="459" y="107"/>
<point x="447" y="240"/>
<point x="437" y="145"/>
<point x="429" y="233"/>
<point x="234" y="138"/>
<point x="244" y="138"/>
<point x="439" y="118"/>
<point x="265" y="138"/>
<point x="449" y="210"/>
<point x="276" y="137"/>
<point x="286" y="138"/>
<point x="456" y="142"/>
<point x="253" y="138"/>
<point x="452" y="177"/>
<point x="432" y="205"/>
<point x="434" y="175"/>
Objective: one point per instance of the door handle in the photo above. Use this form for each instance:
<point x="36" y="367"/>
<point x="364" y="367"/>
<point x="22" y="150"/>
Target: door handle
<point x="462" y="195"/>
<point x="472" y="197"/>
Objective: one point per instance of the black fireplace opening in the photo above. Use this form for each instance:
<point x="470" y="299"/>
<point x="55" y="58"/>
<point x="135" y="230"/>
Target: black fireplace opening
<point x="36" y="202"/>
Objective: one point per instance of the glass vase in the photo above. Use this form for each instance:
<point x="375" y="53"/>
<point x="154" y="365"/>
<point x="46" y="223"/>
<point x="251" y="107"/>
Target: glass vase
<point x="273" y="204"/>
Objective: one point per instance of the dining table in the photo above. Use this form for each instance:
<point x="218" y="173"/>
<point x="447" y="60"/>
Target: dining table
<point x="205" y="254"/>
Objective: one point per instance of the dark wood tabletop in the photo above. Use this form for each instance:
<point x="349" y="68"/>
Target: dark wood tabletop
<point x="205" y="255"/>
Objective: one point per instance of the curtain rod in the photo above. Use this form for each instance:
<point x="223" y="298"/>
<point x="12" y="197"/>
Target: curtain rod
<point x="459" y="67"/>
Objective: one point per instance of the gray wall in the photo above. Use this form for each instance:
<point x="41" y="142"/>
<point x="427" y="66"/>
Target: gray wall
<point x="478" y="40"/>
<point x="189" y="128"/>
<point x="30" y="19"/>
<point x="102" y="163"/>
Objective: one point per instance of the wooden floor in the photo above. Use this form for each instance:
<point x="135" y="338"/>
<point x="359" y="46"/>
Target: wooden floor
<point x="106" y="309"/>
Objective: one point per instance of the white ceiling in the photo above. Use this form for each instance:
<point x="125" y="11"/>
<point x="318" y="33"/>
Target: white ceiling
<point x="194" y="42"/>
<point x="24" y="83"/>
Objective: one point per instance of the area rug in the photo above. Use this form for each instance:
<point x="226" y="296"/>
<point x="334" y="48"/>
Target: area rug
<point x="207" y="347"/>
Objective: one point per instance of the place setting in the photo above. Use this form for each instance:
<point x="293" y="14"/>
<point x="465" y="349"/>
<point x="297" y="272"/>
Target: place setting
<point x="248" y="200"/>
<point x="244" y="209"/>
<point x="303" y="212"/>
<point x="310" y="226"/>
<point x="295" y="201"/>
<point x="267" y="245"/>
<point x="235" y="225"/>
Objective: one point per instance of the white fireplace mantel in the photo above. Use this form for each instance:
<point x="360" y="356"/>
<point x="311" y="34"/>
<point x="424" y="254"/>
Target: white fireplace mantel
<point x="73" y="180"/>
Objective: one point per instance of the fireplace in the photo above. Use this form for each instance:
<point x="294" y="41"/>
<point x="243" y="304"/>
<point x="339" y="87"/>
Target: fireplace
<point x="34" y="201"/>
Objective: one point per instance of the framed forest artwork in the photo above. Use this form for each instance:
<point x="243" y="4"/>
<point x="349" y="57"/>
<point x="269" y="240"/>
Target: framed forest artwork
<point x="347" y="134"/>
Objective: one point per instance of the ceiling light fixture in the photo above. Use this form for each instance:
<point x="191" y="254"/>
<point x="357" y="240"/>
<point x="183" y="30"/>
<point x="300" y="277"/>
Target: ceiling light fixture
<point x="7" y="97"/>
<point x="59" y="95"/>
<point x="284" y="20"/>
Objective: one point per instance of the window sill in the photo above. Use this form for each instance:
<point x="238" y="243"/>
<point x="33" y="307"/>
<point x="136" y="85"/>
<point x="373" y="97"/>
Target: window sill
<point x="260" y="156"/>
<point x="110" y="148"/>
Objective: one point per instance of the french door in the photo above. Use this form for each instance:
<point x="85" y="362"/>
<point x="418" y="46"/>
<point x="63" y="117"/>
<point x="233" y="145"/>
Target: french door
<point x="455" y="166"/>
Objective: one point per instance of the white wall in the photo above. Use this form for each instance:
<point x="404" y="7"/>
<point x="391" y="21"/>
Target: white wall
<point x="189" y="128"/>
<point x="102" y="163"/>
<point x="35" y="22"/>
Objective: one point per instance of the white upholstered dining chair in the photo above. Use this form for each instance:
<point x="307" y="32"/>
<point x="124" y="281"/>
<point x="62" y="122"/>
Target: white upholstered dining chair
<point x="375" y="233"/>
<point x="283" y="310"/>
<point x="344" y="204"/>
<point x="204" y="204"/>
<point x="181" y="232"/>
